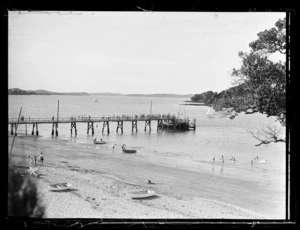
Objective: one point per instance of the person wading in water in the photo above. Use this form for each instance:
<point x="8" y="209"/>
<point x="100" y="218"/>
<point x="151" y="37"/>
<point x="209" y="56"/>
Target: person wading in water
<point x="42" y="158"/>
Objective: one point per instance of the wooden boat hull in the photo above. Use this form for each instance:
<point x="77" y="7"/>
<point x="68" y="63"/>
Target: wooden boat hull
<point x="99" y="142"/>
<point x="142" y="194"/>
<point x="129" y="150"/>
<point x="59" y="186"/>
<point x="262" y="161"/>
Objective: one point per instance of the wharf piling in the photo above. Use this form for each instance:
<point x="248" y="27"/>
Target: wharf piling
<point x="90" y="125"/>
<point x="105" y="124"/>
<point x="119" y="126"/>
<point x="73" y="125"/>
<point x="147" y="123"/>
<point x="54" y="125"/>
<point x="134" y="126"/>
<point x="35" y="125"/>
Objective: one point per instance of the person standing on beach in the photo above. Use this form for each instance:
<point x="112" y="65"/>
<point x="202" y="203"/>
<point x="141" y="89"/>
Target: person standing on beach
<point x="30" y="160"/>
<point x="35" y="160"/>
<point x="42" y="158"/>
<point x="222" y="158"/>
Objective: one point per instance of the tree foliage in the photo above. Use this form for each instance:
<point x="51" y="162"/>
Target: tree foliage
<point x="271" y="40"/>
<point x="206" y="97"/>
<point x="261" y="83"/>
<point x="197" y="98"/>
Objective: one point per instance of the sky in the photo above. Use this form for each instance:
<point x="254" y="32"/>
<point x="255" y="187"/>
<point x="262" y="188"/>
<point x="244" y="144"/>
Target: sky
<point x="129" y="52"/>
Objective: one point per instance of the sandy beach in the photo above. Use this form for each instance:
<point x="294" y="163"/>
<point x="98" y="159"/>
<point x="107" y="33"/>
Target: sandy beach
<point x="102" y="179"/>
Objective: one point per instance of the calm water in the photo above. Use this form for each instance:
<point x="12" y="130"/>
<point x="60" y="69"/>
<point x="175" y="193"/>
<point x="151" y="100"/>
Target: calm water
<point x="213" y="136"/>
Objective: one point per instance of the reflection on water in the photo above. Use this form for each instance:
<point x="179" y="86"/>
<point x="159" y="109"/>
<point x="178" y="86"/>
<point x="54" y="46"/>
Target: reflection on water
<point x="221" y="170"/>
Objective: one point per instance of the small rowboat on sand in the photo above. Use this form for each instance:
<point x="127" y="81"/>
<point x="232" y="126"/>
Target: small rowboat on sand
<point x="59" y="186"/>
<point x="262" y="161"/>
<point x="128" y="150"/>
<point x="99" y="142"/>
<point x="142" y="194"/>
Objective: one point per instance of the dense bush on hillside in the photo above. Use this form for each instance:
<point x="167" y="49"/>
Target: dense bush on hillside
<point x="23" y="197"/>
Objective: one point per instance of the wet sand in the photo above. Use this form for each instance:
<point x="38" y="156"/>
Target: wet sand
<point x="102" y="178"/>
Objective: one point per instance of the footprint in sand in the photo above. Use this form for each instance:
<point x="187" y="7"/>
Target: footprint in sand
<point x="64" y="163"/>
<point x="75" y="169"/>
<point x="92" y="202"/>
<point x="48" y="181"/>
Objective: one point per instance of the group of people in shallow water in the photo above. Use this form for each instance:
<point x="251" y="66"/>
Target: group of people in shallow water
<point x="233" y="159"/>
<point x="222" y="159"/>
<point x="256" y="159"/>
<point x="33" y="159"/>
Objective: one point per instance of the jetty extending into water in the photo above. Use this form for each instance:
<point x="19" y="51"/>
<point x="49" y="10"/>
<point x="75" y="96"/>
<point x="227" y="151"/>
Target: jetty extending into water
<point x="163" y="122"/>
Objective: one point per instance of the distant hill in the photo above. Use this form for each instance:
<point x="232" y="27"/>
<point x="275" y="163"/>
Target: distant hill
<point x="145" y="95"/>
<point x="161" y="95"/>
<point x="107" y="94"/>
<point x="17" y="91"/>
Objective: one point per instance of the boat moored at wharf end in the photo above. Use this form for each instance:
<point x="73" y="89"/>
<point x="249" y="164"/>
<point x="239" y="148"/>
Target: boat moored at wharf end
<point x="165" y="121"/>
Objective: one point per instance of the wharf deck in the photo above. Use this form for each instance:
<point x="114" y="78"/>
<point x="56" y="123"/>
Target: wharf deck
<point x="163" y="121"/>
<point x="89" y="119"/>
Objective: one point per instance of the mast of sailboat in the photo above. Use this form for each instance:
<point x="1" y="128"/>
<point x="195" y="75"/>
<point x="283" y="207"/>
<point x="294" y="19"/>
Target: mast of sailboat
<point x="57" y="111"/>
<point x="12" y="144"/>
<point x="151" y="108"/>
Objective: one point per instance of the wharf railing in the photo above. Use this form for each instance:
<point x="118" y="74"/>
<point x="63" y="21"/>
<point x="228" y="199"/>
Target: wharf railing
<point x="114" y="118"/>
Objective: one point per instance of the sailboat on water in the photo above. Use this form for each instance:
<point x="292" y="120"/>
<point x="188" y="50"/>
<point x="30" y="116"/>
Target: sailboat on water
<point x="211" y="113"/>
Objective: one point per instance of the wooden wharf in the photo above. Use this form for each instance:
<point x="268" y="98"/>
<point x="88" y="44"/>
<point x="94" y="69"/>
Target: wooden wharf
<point x="163" y="122"/>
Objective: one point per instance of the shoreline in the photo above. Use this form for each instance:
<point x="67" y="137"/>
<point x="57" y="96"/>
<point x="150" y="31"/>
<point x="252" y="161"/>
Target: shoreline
<point x="102" y="180"/>
<point x="194" y="104"/>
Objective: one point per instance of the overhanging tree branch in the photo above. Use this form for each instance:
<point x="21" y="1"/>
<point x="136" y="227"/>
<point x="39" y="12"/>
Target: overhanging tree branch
<point x="268" y="135"/>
